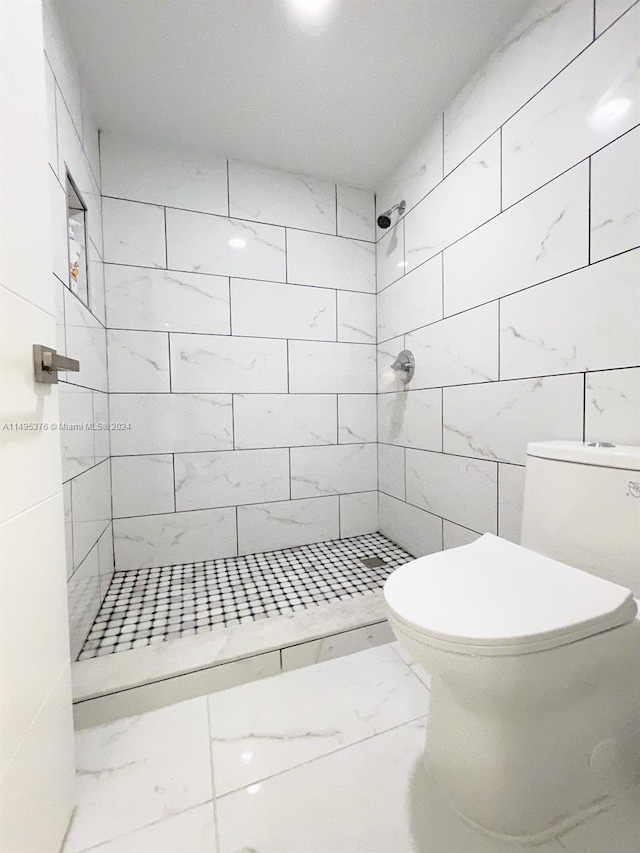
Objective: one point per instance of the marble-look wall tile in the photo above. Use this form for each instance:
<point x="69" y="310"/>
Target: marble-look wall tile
<point x="497" y="419"/>
<point x="391" y="470"/>
<point x="102" y="436"/>
<point x="411" y="419"/>
<point x="59" y="229"/>
<point x="615" y="197"/>
<point x="96" y="284"/>
<point x="86" y="341"/>
<point x="454" y="487"/>
<point x="390" y="256"/>
<point x="265" y="527"/>
<point x="386" y="354"/>
<point x="281" y="198"/>
<point x="357" y="418"/>
<point x="140" y="170"/>
<point x="214" y="364"/>
<point x="52" y="132"/>
<point x="593" y="101"/>
<point x="457" y="351"/>
<point x="91" y="502"/>
<point x="134" y="233"/>
<point x="231" y="477"/>
<point x="333" y="470"/>
<point x="565" y="326"/>
<point x="198" y="242"/>
<point x="466" y="198"/>
<point x="417" y="531"/>
<point x="83" y="594"/>
<point x="328" y="368"/>
<point x="285" y="420"/>
<point x="356" y="213"/>
<point x="543" y="236"/>
<point x="612" y="406"/>
<point x="77" y="443"/>
<point x="142" y="485"/>
<point x="163" y="301"/>
<point x="265" y="309"/>
<point x="455" y="536"/>
<point x="356" y="317"/>
<point x="184" y="537"/>
<point x="607" y="11"/>
<point x="411" y="302"/>
<point x="171" y="423"/>
<point x="358" y="514"/>
<point x="510" y="500"/>
<point x="106" y="564"/>
<point x="545" y="39"/>
<point x="324" y="261"/>
<point x="68" y="527"/>
<point x="138" y="361"/>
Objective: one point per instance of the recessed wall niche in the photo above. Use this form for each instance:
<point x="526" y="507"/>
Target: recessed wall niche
<point x="77" y="242"/>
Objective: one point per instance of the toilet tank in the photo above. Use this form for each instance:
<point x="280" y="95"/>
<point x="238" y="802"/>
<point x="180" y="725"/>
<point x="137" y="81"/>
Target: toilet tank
<point x="582" y="507"/>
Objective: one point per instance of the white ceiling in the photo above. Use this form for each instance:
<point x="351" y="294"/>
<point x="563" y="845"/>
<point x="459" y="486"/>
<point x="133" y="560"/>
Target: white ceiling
<point x="244" y="79"/>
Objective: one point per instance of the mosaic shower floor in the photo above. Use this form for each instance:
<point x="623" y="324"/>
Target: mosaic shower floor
<point x="152" y="605"/>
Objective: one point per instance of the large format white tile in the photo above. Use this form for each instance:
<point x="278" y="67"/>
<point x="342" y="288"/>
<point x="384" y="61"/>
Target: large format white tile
<point x="265" y="527"/>
<point x="510" y="499"/>
<point x="106" y="566"/>
<point x="198" y="242"/>
<point x="454" y="487"/>
<point x="574" y="324"/>
<point x="607" y="11"/>
<point x="134" y="233"/>
<point x="356" y="213"/>
<point x="390" y="256"/>
<point x="589" y="104"/>
<point x="141" y="170"/>
<point x="138" y="361"/>
<point x="285" y="420"/>
<point x="415" y="530"/>
<point x="101" y="423"/>
<point x="356" y="317"/>
<point x="77" y="442"/>
<point x="496" y="420"/>
<point x="357" y="418"/>
<point x="96" y="284"/>
<point x="166" y="540"/>
<point x="168" y="423"/>
<point x="164" y="301"/>
<point x="86" y="342"/>
<point x="411" y="419"/>
<point x="217" y="364"/>
<point x="543" y="236"/>
<point x="391" y="470"/>
<point x="142" y="485"/>
<point x="455" y="536"/>
<point x="83" y="594"/>
<point x="91" y="499"/>
<point x="59" y="229"/>
<point x="325" y="261"/>
<point x="615" y="197"/>
<point x="261" y="729"/>
<point x="336" y="645"/>
<point x="68" y="528"/>
<point x="331" y="470"/>
<point x="229" y="477"/>
<point x="328" y="368"/>
<point x="612" y="406"/>
<point x="281" y="198"/>
<point x="268" y="310"/>
<point x="358" y="514"/>
<point x="411" y="302"/>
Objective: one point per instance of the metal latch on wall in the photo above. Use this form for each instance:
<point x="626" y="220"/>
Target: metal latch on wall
<point x="47" y="363"/>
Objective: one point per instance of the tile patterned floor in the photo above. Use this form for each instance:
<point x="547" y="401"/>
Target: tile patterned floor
<point x="152" y="605"/>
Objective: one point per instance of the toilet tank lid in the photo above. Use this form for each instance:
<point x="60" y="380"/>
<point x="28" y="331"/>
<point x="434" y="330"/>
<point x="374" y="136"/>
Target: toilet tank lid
<point x="495" y="593"/>
<point x="601" y="453"/>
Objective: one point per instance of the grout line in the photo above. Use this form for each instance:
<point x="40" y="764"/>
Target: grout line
<point x="228" y="192"/>
<point x="175" y="497"/>
<point x="589" y="215"/>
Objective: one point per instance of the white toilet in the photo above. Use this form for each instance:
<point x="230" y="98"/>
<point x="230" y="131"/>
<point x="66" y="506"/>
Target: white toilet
<point x="534" y="717"/>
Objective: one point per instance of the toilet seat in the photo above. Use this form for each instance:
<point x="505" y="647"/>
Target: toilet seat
<point x="496" y="598"/>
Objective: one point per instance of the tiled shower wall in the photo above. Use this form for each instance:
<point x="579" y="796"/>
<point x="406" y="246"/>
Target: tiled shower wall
<point x="514" y="276"/>
<point x="241" y="347"/>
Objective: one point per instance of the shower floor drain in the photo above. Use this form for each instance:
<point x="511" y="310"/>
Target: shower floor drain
<point x="373" y="562"/>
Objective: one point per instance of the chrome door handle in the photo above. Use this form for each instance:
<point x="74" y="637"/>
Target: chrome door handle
<point x="47" y="363"/>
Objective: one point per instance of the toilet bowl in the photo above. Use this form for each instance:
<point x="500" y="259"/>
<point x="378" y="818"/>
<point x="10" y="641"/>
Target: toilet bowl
<point x="534" y="715"/>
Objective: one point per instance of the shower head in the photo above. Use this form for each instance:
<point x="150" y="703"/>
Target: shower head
<point x="384" y="220"/>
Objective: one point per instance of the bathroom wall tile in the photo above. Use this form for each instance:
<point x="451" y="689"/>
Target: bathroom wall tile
<point x="589" y="104"/>
<point x="91" y="501"/>
<point x="390" y="256"/>
<point x="59" y="229"/>
<point x="143" y="171"/>
<point x="615" y="201"/>
<point x="412" y="301"/>
<point x="541" y="331"/>
<point x="106" y="565"/>
<point x="357" y="418"/>
<point x="138" y="361"/>
<point x="171" y="423"/>
<point x="227" y="478"/>
<point x="465" y="199"/>
<point x="58" y="311"/>
<point x="142" y="485"/>
<point x="543" y="236"/>
<point x="607" y="11"/>
<point x="417" y="531"/>
<point x="356" y="213"/>
<point x="386" y="354"/>
<point x="134" y="233"/>
<point x="459" y="489"/>
<point x="52" y="132"/>
<point x="328" y="368"/>
<point x="86" y="342"/>
<point x="411" y="419"/>
<point x="333" y="470"/>
<point x="101" y="436"/>
<point x="77" y="443"/>
<point x="455" y="536"/>
<point x="165" y="301"/>
<point x="281" y="198"/>
<point x="285" y="420"/>
<point x="545" y="39"/>
<point x="457" y="351"/>
<point x="612" y="406"/>
<point x="358" y="514"/>
<point x="183" y="537"/>
<point x="198" y="242"/>
<point x="510" y="499"/>
<point x="265" y="309"/>
<point x="391" y="470"/>
<point x="497" y="419"/>
<point x="68" y="528"/>
<point x="215" y="364"/>
<point x="356" y="317"/>
<point x="96" y="284"/>
<point x="324" y="261"/>
<point x="90" y="136"/>
<point x="61" y="61"/>
<point x="83" y="592"/>
<point x="265" y="527"/>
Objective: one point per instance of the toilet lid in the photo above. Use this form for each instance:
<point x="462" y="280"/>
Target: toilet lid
<point x="493" y="593"/>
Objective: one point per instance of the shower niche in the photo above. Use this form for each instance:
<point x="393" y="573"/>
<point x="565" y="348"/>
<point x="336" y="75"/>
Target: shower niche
<point x="77" y="242"/>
